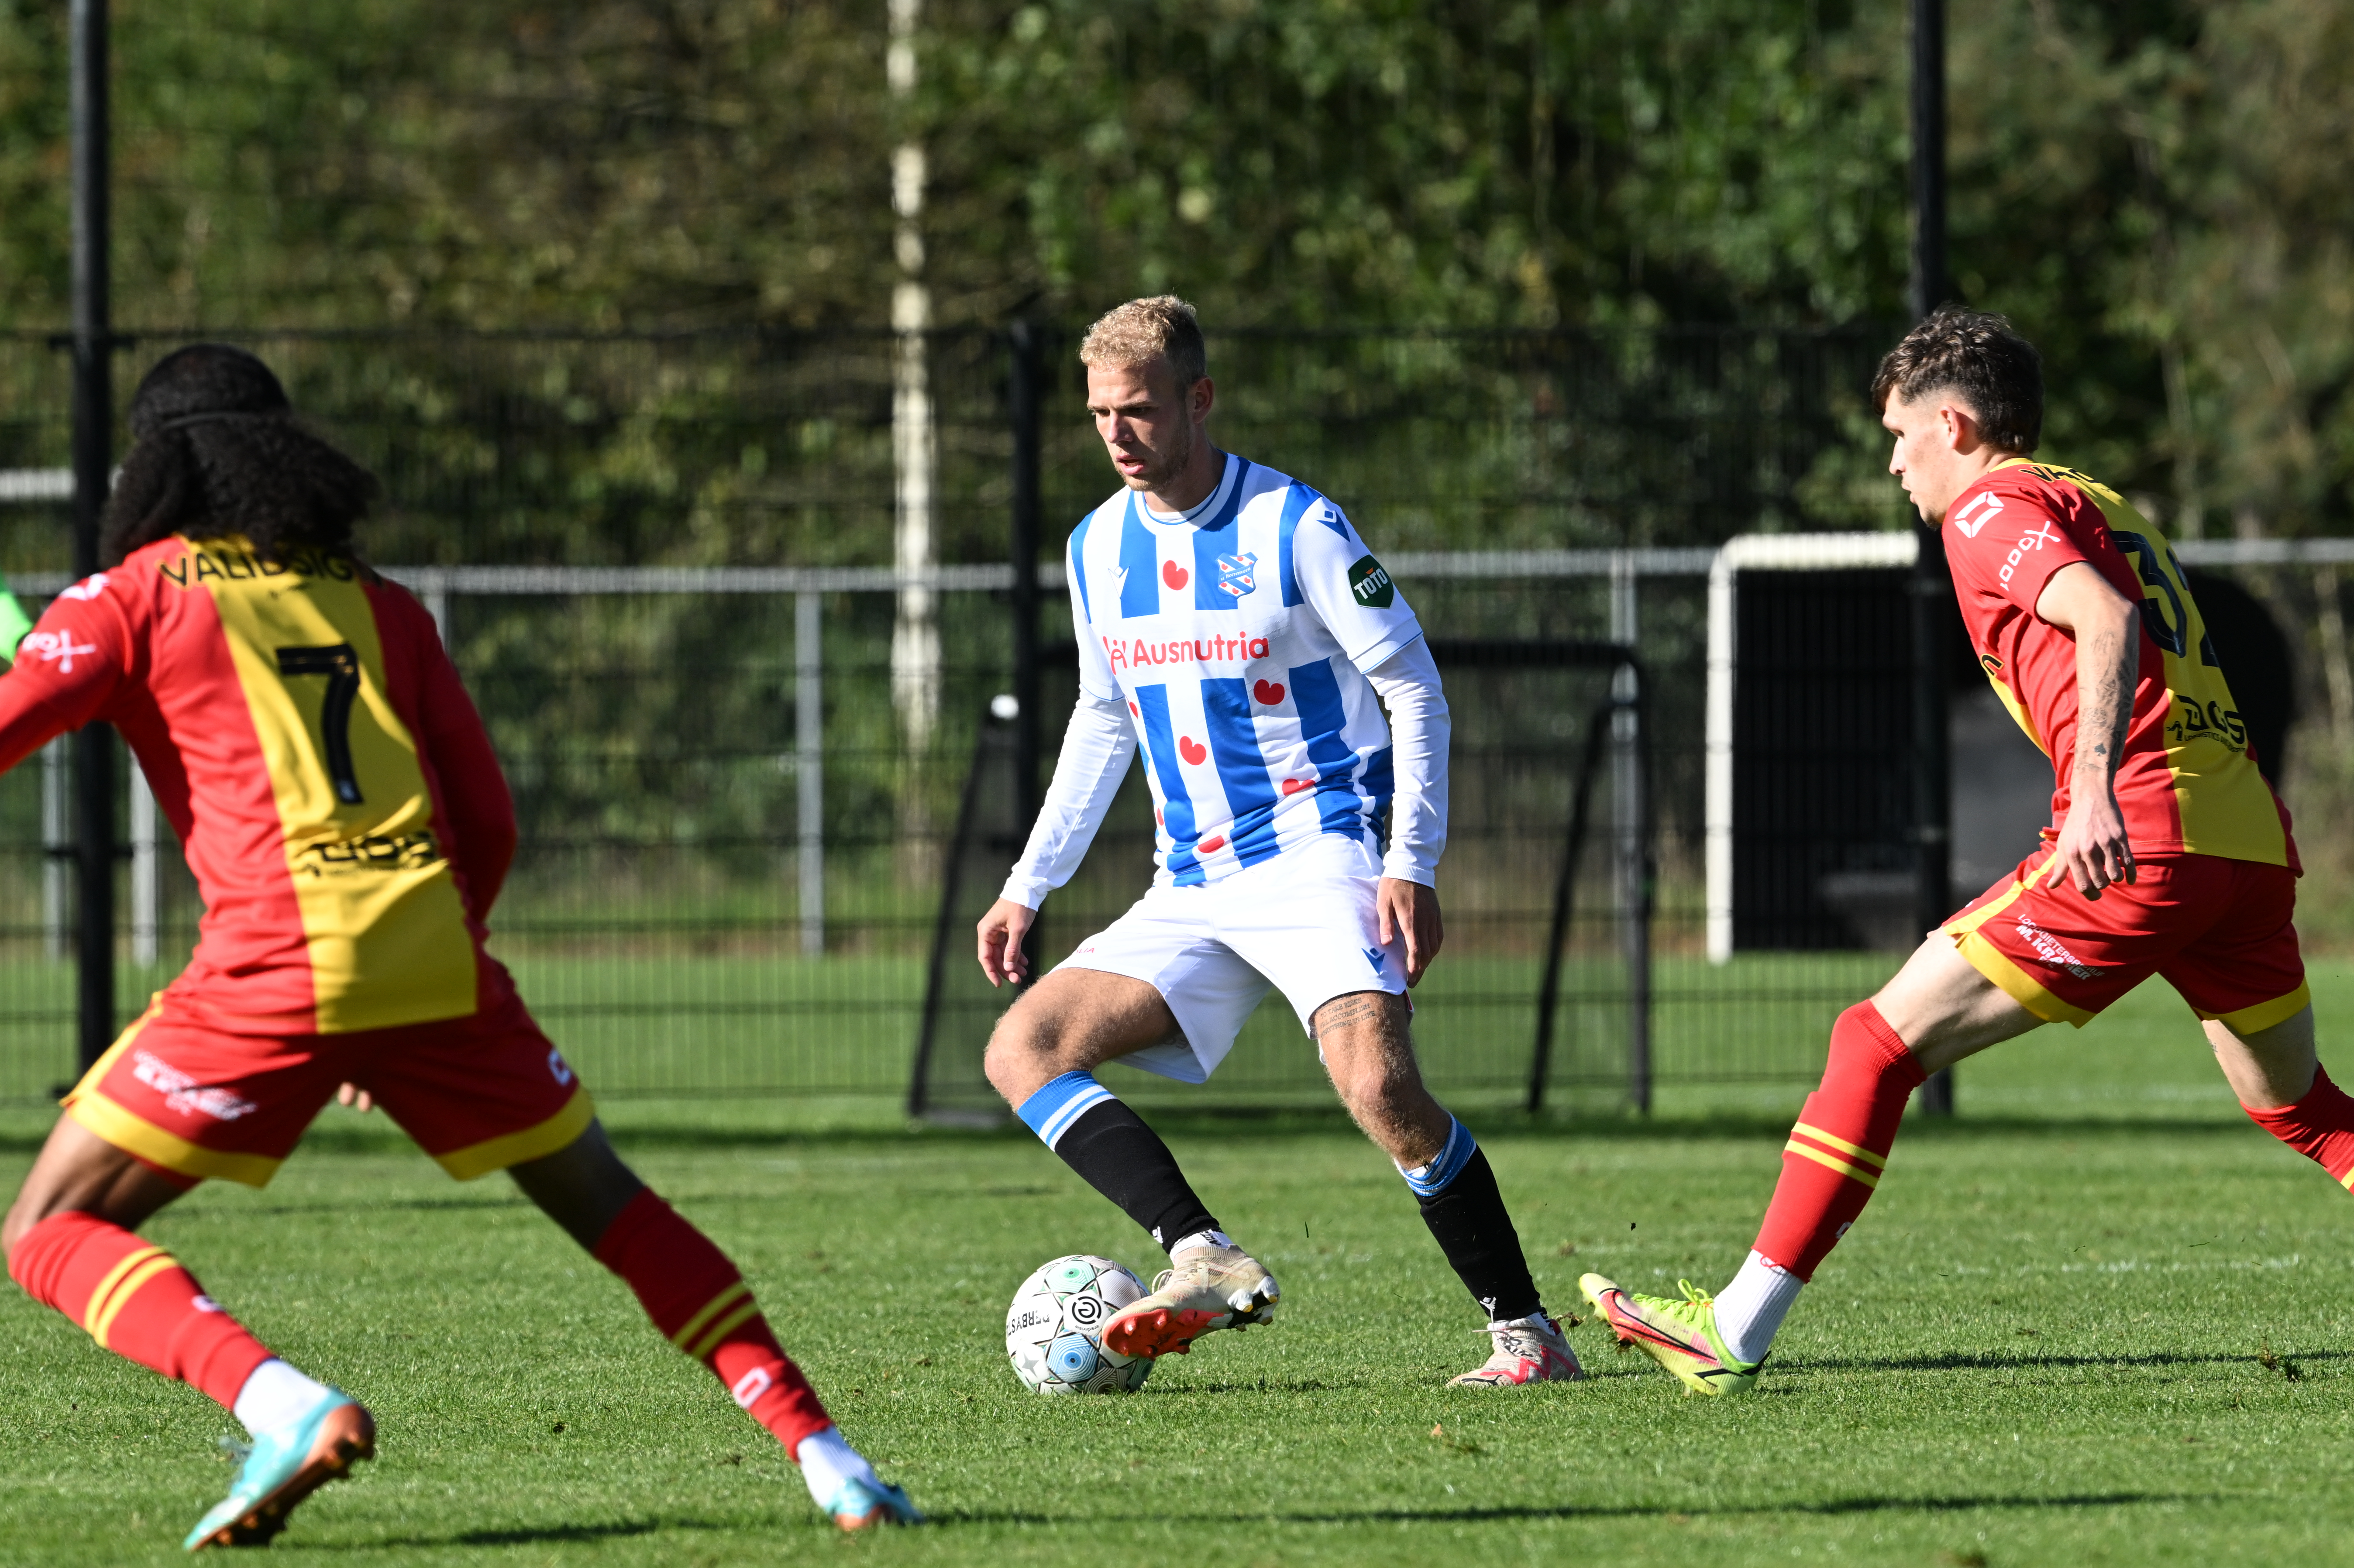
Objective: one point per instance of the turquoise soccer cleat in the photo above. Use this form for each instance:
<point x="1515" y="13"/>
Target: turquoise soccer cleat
<point x="857" y="1506"/>
<point x="283" y="1467"/>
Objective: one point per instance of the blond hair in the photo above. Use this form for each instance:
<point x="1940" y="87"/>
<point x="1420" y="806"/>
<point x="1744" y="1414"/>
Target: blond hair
<point x="1162" y="326"/>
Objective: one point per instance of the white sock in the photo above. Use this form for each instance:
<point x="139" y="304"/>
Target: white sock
<point x="1750" y="1311"/>
<point x="1199" y="1238"/>
<point x="827" y="1460"/>
<point x="274" y="1395"/>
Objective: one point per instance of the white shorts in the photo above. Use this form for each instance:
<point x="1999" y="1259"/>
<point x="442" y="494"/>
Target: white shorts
<point x="1303" y="923"/>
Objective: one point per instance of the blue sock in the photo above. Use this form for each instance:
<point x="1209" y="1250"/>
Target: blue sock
<point x="1050" y="1112"/>
<point x="1457" y="1191"/>
<point x="1114" y="1152"/>
<point x="1430" y="1179"/>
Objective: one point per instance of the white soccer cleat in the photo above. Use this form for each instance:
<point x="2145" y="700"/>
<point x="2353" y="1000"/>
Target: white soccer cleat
<point x="1528" y="1350"/>
<point x="1203" y="1288"/>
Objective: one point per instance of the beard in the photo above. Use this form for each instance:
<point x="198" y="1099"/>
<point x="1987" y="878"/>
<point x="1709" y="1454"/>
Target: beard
<point x="1167" y="464"/>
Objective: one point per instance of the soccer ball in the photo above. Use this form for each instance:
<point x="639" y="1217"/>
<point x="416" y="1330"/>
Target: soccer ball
<point x="1053" y="1330"/>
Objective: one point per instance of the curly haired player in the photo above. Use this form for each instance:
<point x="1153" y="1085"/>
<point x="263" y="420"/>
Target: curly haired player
<point x="349" y="828"/>
<point x="2169" y="853"/>
<point x="1233" y="628"/>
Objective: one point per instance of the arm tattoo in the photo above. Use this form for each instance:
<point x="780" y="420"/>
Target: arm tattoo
<point x="2107" y="700"/>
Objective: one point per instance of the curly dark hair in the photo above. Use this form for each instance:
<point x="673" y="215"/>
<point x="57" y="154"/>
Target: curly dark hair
<point x="216" y="451"/>
<point x="1980" y="355"/>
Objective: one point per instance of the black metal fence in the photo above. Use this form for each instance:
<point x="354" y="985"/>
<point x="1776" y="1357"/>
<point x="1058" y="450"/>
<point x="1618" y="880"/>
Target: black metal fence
<point x="688" y="730"/>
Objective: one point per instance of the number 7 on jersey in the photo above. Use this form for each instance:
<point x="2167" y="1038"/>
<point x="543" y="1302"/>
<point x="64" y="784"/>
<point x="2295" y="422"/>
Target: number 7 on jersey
<point x="341" y="665"/>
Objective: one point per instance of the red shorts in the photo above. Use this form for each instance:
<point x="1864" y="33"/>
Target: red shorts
<point x="478" y="1093"/>
<point x="2221" y="932"/>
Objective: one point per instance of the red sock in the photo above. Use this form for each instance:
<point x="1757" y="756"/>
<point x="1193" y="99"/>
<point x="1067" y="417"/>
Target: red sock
<point x="2320" y="1127"/>
<point x="1836" y="1151"/>
<point x="136" y="1300"/>
<point x="694" y="1295"/>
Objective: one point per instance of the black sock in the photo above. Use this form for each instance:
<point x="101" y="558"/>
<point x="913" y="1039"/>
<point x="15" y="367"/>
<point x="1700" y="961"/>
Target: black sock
<point x="1114" y="1152"/>
<point x="1466" y="1218"/>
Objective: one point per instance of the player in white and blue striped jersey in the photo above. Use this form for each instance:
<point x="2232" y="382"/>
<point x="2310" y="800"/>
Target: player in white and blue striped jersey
<point x="1234" y="630"/>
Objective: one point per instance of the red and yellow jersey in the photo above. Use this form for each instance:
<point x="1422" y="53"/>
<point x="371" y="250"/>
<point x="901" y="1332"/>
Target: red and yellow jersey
<point x="2188" y="782"/>
<point x="310" y="743"/>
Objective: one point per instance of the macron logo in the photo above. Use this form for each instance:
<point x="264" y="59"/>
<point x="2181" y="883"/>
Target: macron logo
<point x="1977" y="514"/>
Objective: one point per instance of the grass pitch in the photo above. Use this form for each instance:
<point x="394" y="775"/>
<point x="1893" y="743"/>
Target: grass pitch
<point x="2100" y="1319"/>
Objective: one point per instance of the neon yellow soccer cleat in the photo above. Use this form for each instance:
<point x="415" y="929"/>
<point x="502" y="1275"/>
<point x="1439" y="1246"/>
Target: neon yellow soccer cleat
<point x="1680" y="1335"/>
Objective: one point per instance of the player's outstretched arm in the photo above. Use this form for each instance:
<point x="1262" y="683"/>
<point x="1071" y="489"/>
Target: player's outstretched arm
<point x="2092" y="848"/>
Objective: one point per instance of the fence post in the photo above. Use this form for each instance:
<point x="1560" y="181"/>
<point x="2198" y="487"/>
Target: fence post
<point x="57" y="845"/>
<point x="94" y="433"/>
<point x="808" y="749"/>
<point x="1023" y="399"/>
<point x="1628" y="806"/>
<point x="432" y="584"/>
<point x="1933" y="599"/>
<point x="145" y="881"/>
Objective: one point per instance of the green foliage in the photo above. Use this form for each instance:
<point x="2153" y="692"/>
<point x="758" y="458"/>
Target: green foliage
<point x="2151" y="189"/>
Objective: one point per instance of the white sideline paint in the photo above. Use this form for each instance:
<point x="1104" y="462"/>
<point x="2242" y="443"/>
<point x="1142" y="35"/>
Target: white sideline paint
<point x="1760" y="552"/>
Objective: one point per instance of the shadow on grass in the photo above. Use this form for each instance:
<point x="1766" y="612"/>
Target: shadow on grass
<point x="1259" y="1124"/>
<point x="454" y="1204"/>
<point x="547" y="1534"/>
<point x="1992" y="1360"/>
<point x="1837" y="1507"/>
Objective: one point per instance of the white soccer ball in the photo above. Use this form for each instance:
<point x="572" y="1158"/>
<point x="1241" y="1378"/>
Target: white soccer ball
<point x="1053" y="1328"/>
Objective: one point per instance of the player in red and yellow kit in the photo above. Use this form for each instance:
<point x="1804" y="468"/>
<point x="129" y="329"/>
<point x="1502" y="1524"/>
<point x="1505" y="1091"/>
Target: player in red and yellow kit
<point x="2169" y="853"/>
<point x="349" y="829"/>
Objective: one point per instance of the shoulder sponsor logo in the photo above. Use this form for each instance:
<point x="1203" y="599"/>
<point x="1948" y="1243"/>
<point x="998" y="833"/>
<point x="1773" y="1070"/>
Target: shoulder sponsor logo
<point x="2032" y="540"/>
<point x="87" y="589"/>
<point x="1235" y="574"/>
<point x="56" y="648"/>
<point x="1371" y="584"/>
<point x="183" y="1093"/>
<point x="1976" y="515"/>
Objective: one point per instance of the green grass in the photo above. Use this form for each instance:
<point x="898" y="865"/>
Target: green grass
<point x="2045" y="1342"/>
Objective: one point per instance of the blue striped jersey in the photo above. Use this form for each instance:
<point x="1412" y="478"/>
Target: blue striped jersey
<point x="1236" y="635"/>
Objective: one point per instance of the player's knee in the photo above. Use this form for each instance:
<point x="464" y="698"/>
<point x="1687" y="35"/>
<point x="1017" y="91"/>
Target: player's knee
<point x="1022" y="1049"/>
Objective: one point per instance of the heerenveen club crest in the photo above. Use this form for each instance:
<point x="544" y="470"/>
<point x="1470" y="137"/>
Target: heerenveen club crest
<point x="1235" y="574"/>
